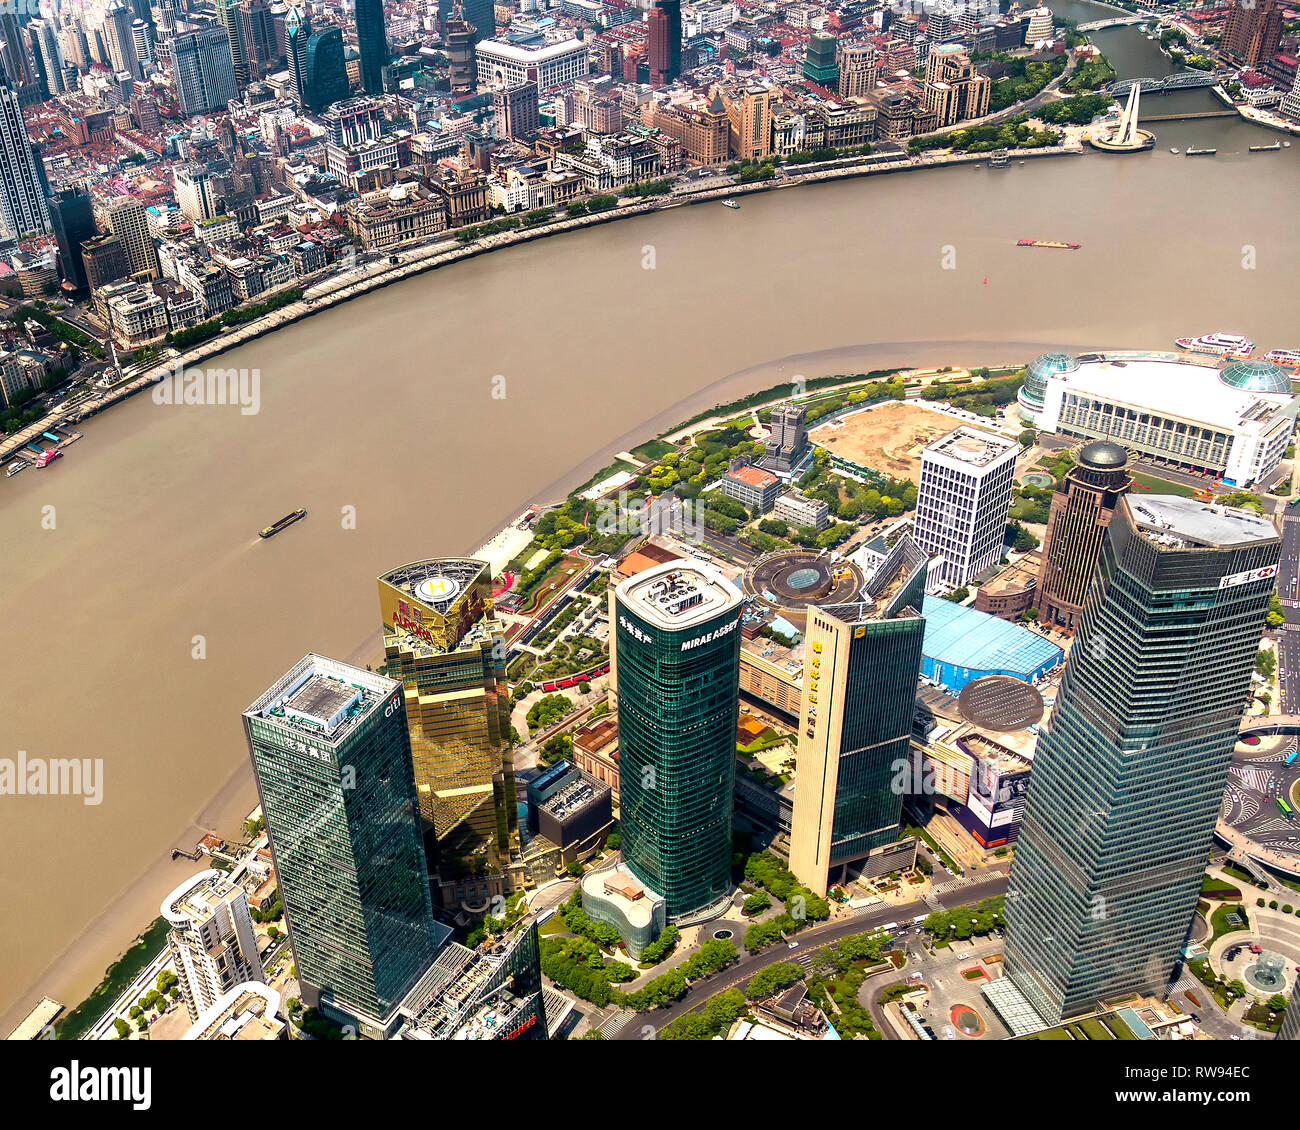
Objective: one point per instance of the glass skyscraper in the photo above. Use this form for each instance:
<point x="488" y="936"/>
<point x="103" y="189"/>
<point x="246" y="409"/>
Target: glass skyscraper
<point x="372" y="42"/>
<point x="1129" y="773"/>
<point x="326" y="70"/>
<point x="442" y="642"/>
<point x="676" y="668"/>
<point x="862" y="663"/>
<point x="333" y="766"/>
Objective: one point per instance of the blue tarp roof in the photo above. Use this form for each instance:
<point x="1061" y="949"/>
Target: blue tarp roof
<point x="964" y="637"/>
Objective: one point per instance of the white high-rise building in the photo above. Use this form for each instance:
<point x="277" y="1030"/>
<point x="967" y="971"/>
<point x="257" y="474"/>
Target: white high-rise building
<point x="23" y="209"/>
<point x="212" y="939"/>
<point x="1040" y="25"/>
<point x="962" y="503"/>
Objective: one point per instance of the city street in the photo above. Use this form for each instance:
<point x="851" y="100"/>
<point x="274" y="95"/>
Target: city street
<point x="994" y="883"/>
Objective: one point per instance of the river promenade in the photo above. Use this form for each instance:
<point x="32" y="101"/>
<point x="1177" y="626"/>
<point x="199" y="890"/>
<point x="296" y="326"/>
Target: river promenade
<point x="331" y="292"/>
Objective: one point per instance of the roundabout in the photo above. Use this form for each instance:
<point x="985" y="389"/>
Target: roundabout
<point x="790" y="580"/>
<point x="1258" y="807"/>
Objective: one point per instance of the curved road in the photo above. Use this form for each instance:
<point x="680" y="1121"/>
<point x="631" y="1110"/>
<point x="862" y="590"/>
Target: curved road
<point x="809" y="940"/>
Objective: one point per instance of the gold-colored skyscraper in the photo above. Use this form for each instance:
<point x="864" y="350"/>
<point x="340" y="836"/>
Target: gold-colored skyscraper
<point x="442" y="643"/>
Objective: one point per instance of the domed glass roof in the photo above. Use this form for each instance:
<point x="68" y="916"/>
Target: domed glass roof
<point x="1257" y="375"/>
<point x="1103" y="454"/>
<point x="1041" y="370"/>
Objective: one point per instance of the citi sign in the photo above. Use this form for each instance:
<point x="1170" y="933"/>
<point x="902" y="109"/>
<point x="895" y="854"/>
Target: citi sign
<point x="1234" y="579"/>
<point x="709" y="637"/>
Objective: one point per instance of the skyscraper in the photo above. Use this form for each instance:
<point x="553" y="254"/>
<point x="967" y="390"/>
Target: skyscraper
<point x="212" y="941"/>
<point x="675" y="663"/>
<point x="297" y="31"/>
<point x="664" y="42"/>
<point x="228" y="18"/>
<point x="257" y="33"/>
<point x="443" y="643"/>
<point x="72" y="216"/>
<point x="863" y="661"/>
<point x="204" y="70"/>
<point x="22" y="194"/>
<point x="333" y="766"/>
<point x="1082" y="508"/>
<point x="481" y="13"/>
<point x="1129" y="773"/>
<point x="460" y="36"/>
<point x="962" y="502"/>
<point x="45" y="54"/>
<point x="121" y="44"/>
<point x="13" y="51"/>
<point x="127" y="220"/>
<point x="821" y="63"/>
<point x="326" y="69"/>
<point x="372" y="42"/>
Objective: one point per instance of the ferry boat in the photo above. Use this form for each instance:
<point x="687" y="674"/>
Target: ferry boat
<point x="1175" y="151"/>
<point x="284" y="523"/>
<point x="1287" y="358"/>
<point x="730" y="204"/>
<point x="1201" y="152"/>
<point x="1048" y="243"/>
<point x="1277" y="145"/>
<point x="45" y="458"/>
<point x="14" y="467"/>
<point x="999" y="160"/>
<point x="1219" y="344"/>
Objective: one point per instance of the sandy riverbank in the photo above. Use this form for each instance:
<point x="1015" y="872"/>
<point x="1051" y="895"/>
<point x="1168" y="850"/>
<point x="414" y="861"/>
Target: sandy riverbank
<point x="135" y="903"/>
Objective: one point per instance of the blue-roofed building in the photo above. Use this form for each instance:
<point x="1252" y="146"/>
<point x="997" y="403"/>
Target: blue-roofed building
<point x="962" y="644"/>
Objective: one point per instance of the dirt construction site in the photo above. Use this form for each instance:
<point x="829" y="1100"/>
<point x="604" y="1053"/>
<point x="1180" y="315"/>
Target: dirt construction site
<point x="888" y="438"/>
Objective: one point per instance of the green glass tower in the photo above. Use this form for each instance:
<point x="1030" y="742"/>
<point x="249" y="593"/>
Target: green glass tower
<point x="325" y="69"/>
<point x="1129" y="774"/>
<point x="862" y="663"/>
<point x="820" y="63"/>
<point x="333" y="766"/>
<point x="676" y="667"/>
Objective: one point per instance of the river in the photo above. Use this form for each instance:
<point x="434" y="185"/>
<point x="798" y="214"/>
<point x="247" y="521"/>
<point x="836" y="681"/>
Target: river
<point x="139" y="626"/>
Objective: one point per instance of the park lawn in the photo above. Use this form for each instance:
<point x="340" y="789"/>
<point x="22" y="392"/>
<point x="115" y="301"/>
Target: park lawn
<point x="1149" y="484"/>
<point x="653" y="450"/>
<point x="1217" y="889"/>
<point x="1094" y="1029"/>
<point x="1219" y="923"/>
<point x="1050" y="1034"/>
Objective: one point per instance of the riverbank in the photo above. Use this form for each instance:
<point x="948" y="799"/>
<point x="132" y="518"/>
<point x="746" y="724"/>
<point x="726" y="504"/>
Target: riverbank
<point x="388" y="408"/>
<point x="329" y="293"/>
<point x="134" y="904"/>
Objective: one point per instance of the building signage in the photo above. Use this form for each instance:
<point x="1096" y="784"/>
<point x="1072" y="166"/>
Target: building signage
<point x="1234" y="579"/>
<point x="633" y="630"/>
<point x="406" y="619"/>
<point x="709" y="637"/>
